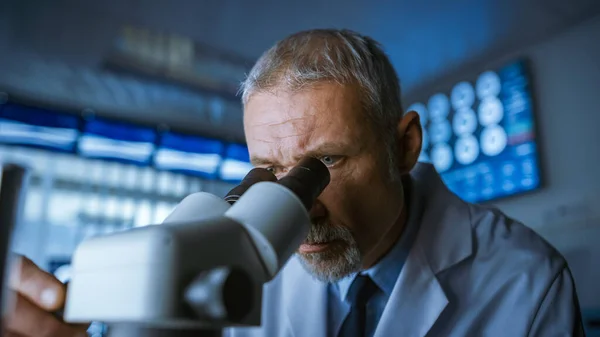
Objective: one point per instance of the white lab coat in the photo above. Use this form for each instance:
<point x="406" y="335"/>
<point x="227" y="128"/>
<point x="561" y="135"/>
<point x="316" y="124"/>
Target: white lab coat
<point x="471" y="272"/>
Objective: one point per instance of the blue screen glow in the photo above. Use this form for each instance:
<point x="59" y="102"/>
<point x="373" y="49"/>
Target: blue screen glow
<point x="236" y="163"/>
<point x="189" y="154"/>
<point x="22" y="125"/>
<point x="480" y="135"/>
<point x="109" y="140"/>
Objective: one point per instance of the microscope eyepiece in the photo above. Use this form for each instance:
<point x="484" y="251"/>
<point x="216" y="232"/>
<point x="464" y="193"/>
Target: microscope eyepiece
<point x="254" y="176"/>
<point x="307" y="180"/>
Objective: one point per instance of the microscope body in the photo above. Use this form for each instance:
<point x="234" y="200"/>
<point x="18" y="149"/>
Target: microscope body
<point x="141" y="275"/>
<point x="174" y="275"/>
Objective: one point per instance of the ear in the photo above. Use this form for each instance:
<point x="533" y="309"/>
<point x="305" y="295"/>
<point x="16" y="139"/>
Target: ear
<point x="410" y="138"/>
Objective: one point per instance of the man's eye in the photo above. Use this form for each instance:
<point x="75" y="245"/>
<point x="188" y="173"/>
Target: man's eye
<point x="330" y="160"/>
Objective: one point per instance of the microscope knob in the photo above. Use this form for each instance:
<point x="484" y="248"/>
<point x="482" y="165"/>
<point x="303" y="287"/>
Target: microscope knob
<point x="223" y="293"/>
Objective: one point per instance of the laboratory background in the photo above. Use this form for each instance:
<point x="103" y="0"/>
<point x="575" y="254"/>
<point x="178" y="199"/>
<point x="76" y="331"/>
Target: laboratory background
<point x="120" y="109"/>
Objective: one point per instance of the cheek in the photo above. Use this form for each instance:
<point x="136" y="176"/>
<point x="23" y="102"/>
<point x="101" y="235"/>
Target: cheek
<point x="361" y="199"/>
<point x="352" y="195"/>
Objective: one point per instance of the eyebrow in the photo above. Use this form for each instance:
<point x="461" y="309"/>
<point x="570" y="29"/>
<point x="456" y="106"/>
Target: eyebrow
<point x="256" y="161"/>
<point x="327" y="148"/>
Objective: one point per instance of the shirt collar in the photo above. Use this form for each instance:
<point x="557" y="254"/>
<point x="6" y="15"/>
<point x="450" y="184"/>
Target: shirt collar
<point x="385" y="273"/>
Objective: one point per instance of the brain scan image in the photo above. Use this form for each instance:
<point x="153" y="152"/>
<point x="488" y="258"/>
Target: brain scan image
<point x="490" y="111"/>
<point x="466" y="149"/>
<point x="463" y="96"/>
<point x="441" y="157"/>
<point x="488" y="85"/>
<point x="493" y="140"/>
<point x="439" y="107"/>
<point x="440" y="132"/>
<point x="464" y="122"/>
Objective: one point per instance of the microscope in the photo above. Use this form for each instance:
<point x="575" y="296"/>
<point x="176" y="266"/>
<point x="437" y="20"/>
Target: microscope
<point x="203" y="269"/>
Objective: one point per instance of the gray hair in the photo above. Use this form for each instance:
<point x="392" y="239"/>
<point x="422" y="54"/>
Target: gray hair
<point x="342" y="56"/>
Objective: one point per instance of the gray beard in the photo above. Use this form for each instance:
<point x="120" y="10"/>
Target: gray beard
<point x="335" y="263"/>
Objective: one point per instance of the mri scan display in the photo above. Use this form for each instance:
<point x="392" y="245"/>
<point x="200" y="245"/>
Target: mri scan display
<point x="466" y="149"/>
<point x="462" y="96"/>
<point x="464" y="122"/>
<point x="440" y="132"/>
<point x="439" y="107"/>
<point x="441" y="155"/>
<point x="480" y="135"/>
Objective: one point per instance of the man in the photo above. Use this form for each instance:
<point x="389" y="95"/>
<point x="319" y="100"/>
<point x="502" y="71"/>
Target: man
<point x="391" y="251"/>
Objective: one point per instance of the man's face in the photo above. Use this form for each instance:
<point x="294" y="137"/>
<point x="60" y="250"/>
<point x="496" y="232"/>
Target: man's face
<point x="357" y="209"/>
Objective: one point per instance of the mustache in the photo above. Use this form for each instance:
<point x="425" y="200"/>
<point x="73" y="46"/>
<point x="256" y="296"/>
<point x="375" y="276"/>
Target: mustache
<point x="321" y="232"/>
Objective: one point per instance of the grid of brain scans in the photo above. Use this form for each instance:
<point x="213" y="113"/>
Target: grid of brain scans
<point x="480" y="134"/>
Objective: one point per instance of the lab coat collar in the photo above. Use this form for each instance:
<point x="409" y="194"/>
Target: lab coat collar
<point x="445" y="235"/>
<point x="444" y="240"/>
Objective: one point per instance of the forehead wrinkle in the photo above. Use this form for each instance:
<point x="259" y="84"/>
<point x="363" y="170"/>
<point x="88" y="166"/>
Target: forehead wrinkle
<point x="285" y="150"/>
<point x="290" y="120"/>
<point x="297" y="127"/>
<point x="278" y="137"/>
<point x="290" y="128"/>
<point x="293" y="150"/>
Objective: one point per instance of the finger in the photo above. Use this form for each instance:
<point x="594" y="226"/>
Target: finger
<point x="29" y="320"/>
<point x="41" y="288"/>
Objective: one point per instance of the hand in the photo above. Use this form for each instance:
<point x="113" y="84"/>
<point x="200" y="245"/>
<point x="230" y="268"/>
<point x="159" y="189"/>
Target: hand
<point x="34" y="295"/>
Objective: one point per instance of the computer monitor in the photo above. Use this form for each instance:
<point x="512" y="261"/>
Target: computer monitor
<point x="37" y="127"/>
<point x="117" y="141"/>
<point x="192" y="155"/>
<point x="236" y="163"/>
<point x="480" y="134"/>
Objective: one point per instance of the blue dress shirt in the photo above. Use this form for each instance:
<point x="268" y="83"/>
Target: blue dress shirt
<point x="385" y="274"/>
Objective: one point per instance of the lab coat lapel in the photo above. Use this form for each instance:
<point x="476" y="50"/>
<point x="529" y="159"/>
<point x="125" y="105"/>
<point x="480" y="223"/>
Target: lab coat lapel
<point x="306" y="304"/>
<point x="416" y="301"/>
<point x="444" y="239"/>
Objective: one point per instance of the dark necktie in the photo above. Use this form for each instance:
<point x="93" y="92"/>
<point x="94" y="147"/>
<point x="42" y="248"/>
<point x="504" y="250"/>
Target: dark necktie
<point x="361" y="290"/>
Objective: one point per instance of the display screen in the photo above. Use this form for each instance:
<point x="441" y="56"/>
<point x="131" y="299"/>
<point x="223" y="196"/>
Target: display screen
<point x="480" y="135"/>
<point x="189" y="154"/>
<point x="110" y="140"/>
<point x="236" y="164"/>
<point x="23" y="125"/>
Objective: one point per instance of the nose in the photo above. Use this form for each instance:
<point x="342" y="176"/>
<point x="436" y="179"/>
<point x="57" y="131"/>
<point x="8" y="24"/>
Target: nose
<point x="318" y="210"/>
